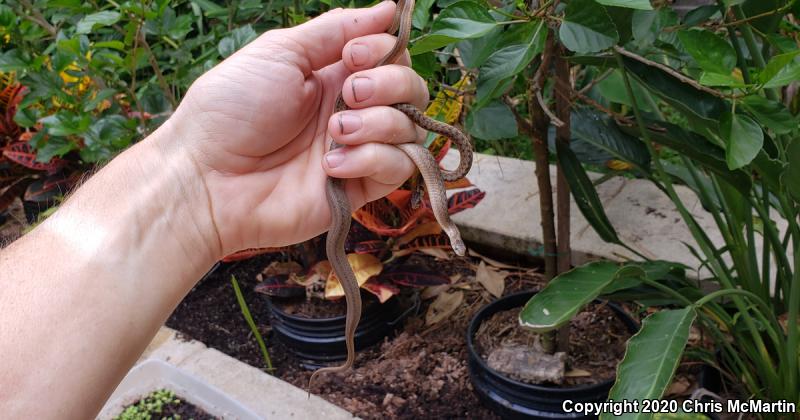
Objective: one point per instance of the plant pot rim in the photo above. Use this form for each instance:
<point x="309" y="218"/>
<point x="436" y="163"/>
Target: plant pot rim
<point x="488" y="310"/>
<point x="299" y="318"/>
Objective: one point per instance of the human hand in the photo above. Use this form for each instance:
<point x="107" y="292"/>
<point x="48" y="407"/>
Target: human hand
<point x="257" y="126"/>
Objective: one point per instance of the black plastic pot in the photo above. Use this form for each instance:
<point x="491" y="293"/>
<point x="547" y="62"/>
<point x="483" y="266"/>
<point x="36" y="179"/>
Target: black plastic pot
<point x="513" y="399"/>
<point x="321" y="340"/>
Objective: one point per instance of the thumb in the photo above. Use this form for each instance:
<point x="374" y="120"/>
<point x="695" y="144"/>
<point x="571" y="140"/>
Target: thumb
<point x="319" y="42"/>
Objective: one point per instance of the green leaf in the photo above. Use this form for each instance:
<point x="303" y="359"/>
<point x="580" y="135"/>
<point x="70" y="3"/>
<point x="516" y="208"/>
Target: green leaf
<point x="587" y="27"/>
<point x="700" y="14"/>
<point x="612" y="88"/>
<point x="777" y="65"/>
<point x="711" y="52"/>
<point x="651" y="357"/>
<point x="697" y="148"/>
<point x="791" y="174"/>
<point x="114" y="45"/>
<point x="506" y="63"/>
<point x="700" y="108"/>
<point x="630" y="4"/>
<point x="238" y="38"/>
<point x="422" y="13"/>
<point x="743" y="138"/>
<point x="492" y="122"/>
<point x="569" y="292"/>
<point x="584" y="193"/>
<point x="65" y="123"/>
<point x="600" y="131"/>
<point x="7" y="17"/>
<point x="99" y="19"/>
<point x="716" y="79"/>
<point x="653" y="270"/>
<point x="461" y="20"/>
<point x="209" y="7"/>
<point x="771" y="114"/>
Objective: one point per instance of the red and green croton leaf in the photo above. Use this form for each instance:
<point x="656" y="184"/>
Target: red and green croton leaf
<point x="22" y="154"/>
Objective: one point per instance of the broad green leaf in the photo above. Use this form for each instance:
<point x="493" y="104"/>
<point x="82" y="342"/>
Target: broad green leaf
<point x="651" y="357"/>
<point x="7" y="17"/>
<point x="475" y="51"/>
<point x="653" y="270"/>
<point x="584" y="193"/>
<point x="461" y="20"/>
<point x="238" y="38"/>
<point x="612" y="88"/>
<point x="711" y="52"/>
<point x="99" y="19"/>
<point x="600" y="131"/>
<point x="700" y="14"/>
<point x="492" y="122"/>
<point x="769" y="21"/>
<point x="422" y="13"/>
<point x="587" y="27"/>
<point x="506" y="63"/>
<point x="743" y="139"/>
<point x="114" y="45"/>
<point x="771" y="114"/>
<point x="716" y="79"/>
<point x="209" y="7"/>
<point x="697" y="148"/>
<point x="623" y="20"/>
<point x="630" y="4"/>
<point x="568" y="293"/>
<point x="791" y="174"/>
<point x="787" y="75"/>
<point x="700" y="108"/>
<point x="776" y="65"/>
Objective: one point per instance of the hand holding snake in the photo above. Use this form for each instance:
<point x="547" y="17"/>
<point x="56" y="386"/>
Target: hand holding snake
<point x="433" y="176"/>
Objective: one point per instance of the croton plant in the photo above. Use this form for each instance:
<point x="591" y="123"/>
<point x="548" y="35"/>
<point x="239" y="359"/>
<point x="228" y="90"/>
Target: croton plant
<point x="382" y="232"/>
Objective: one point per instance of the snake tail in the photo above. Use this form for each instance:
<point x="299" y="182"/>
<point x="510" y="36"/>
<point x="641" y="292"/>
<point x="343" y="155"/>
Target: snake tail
<point x="334" y="247"/>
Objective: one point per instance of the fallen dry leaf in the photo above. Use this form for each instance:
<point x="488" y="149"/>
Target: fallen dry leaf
<point x="364" y="266"/>
<point x="493" y="281"/>
<point x="577" y="373"/>
<point x="383" y="291"/>
<point x="492" y="262"/>
<point x="444" y="305"/>
<point x="433" y="291"/>
<point x="317" y="272"/>
<point x="680" y="386"/>
<point x="436" y="253"/>
<point x="277" y="268"/>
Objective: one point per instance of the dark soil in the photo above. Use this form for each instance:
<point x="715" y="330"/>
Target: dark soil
<point x="419" y="373"/>
<point x="597" y="342"/>
<point x="422" y="372"/>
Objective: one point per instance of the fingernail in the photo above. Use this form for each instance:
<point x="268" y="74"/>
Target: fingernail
<point x="359" y="54"/>
<point x="363" y="88"/>
<point x="334" y="158"/>
<point x="349" y="123"/>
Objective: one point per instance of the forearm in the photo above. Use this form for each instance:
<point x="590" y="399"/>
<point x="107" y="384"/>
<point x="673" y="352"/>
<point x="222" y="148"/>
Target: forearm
<point x="84" y="292"/>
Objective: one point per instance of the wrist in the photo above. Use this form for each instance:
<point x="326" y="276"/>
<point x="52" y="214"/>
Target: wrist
<point x="144" y="213"/>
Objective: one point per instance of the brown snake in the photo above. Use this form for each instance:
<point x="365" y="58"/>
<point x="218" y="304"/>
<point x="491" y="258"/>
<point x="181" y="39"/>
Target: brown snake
<point x="433" y="176"/>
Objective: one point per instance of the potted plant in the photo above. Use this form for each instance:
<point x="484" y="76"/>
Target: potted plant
<point x="718" y="117"/>
<point x="307" y="308"/>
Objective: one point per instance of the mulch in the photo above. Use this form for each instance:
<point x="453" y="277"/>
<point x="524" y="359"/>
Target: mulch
<point x="421" y="372"/>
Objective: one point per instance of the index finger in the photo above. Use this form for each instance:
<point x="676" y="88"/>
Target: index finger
<point x="319" y="42"/>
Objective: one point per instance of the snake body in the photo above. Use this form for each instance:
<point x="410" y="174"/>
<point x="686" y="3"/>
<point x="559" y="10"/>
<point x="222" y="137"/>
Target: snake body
<point x="433" y="176"/>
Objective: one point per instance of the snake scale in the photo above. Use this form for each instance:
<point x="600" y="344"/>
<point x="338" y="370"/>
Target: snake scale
<point x="433" y="176"/>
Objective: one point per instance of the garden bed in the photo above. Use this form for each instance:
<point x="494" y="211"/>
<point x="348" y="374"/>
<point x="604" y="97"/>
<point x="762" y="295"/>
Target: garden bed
<point x="422" y="372"/>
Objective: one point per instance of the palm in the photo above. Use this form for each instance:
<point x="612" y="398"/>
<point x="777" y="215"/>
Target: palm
<point x="268" y="166"/>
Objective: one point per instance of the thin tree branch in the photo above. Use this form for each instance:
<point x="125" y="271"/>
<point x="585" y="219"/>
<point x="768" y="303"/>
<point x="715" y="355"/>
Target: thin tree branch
<point x="672" y="72"/>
